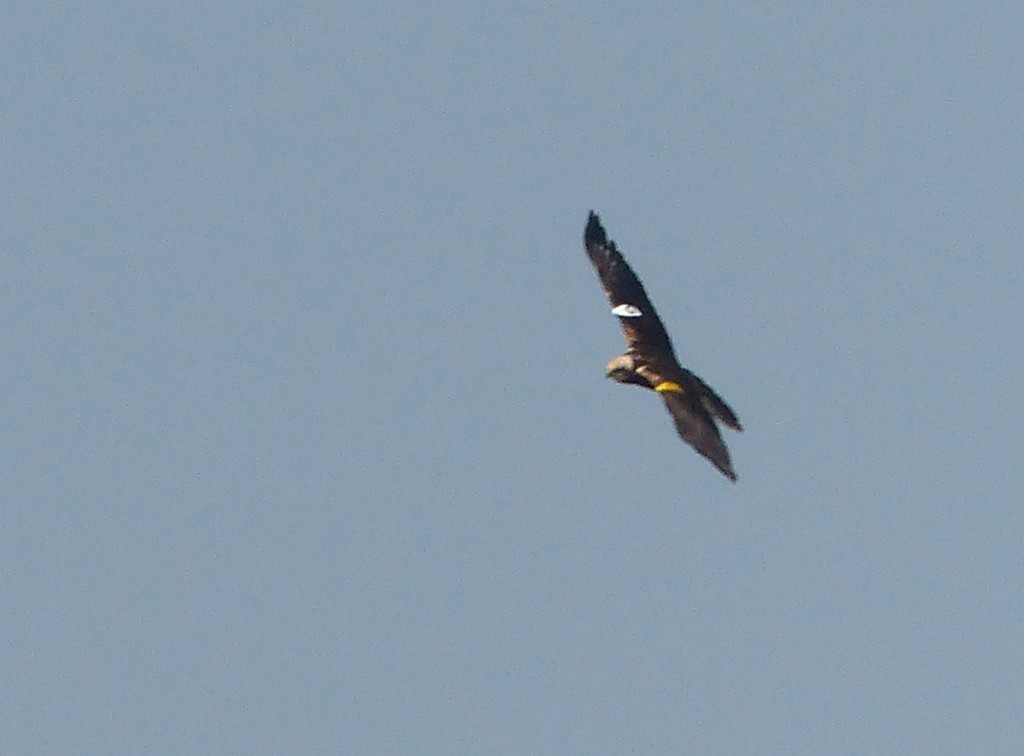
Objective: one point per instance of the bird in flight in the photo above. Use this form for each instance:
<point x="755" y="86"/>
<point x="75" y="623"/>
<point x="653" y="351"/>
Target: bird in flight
<point x="650" y="360"/>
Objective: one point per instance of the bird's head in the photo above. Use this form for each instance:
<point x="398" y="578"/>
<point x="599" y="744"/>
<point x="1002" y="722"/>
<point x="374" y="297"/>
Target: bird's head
<point x="623" y="370"/>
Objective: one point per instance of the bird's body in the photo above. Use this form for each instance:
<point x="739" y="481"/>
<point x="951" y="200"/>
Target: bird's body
<point x="650" y="361"/>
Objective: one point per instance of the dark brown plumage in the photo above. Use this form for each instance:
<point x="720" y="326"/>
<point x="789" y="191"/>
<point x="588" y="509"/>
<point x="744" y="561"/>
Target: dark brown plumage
<point x="650" y="360"/>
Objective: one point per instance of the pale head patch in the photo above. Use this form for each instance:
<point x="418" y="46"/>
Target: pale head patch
<point x="627" y="311"/>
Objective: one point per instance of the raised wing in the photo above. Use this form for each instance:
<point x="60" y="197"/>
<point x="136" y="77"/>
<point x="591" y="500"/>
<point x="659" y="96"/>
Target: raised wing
<point x="696" y="428"/>
<point x="640" y="323"/>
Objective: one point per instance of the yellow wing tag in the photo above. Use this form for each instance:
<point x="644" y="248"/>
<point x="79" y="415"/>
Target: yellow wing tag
<point x="669" y="386"/>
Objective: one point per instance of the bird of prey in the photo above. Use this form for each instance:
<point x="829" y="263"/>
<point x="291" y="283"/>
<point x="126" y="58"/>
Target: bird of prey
<point x="650" y="360"/>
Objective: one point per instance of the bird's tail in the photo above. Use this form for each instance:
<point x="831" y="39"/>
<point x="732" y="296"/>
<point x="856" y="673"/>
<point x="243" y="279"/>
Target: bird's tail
<point x="717" y="407"/>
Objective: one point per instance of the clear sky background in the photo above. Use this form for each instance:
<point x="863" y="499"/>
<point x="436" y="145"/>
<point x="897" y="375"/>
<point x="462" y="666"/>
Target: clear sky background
<point x="309" y="447"/>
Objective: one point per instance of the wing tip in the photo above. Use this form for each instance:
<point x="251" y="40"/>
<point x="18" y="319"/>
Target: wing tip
<point x="724" y="466"/>
<point x="721" y="460"/>
<point x="594" y="233"/>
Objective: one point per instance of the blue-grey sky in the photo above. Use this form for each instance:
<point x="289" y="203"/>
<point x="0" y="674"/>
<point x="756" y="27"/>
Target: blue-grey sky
<point x="310" y="448"/>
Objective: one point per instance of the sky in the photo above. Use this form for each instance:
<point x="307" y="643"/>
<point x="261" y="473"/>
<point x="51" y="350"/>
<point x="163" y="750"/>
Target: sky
<point x="309" y="444"/>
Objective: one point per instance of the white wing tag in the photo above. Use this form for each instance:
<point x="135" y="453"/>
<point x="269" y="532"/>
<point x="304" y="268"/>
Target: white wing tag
<point x="627" y="311"/>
